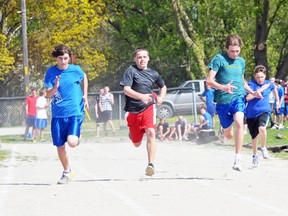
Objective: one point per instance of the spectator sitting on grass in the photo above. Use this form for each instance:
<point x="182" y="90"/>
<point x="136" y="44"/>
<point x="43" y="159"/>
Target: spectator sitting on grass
<point x="206" y="122"/>
<point x="163" y="129"/>
<point x="181" y="129"/>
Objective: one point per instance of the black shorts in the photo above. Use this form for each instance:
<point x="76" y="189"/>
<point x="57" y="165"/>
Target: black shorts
<point x="100" y="118"/>
<point x="107" y="115"/>
<point x="255" y="123"/>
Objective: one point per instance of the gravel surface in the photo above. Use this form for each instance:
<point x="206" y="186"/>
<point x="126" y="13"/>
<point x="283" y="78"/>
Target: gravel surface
<point x="109" y="180"/>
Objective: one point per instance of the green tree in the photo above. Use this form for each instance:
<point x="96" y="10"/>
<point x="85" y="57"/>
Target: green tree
<point x="149" y="24"/>
<point x="271" y="19"/>
<point x="75" y="23"/>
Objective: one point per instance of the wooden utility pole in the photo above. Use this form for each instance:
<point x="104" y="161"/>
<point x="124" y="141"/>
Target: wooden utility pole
<point x="25" y="47"/>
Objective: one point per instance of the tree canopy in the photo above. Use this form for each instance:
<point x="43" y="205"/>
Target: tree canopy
<point x="182" y="37"/>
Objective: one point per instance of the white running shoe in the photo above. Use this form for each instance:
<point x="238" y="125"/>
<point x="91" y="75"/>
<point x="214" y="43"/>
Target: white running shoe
<point x="221" y="135"/>
<point x="150" y="171"/>
<point x="274" y="127"/>
<point x="265" y="153"/>
<point x="237" y="165"/>
<point x="255" y="160"/>
<point x="66" y="177"/>
<point x="281" y="127"/>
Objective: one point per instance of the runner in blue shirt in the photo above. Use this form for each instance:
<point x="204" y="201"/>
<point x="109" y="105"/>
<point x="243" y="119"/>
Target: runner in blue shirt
<point x="63" y="83"/>
<point x="258" y="111"/>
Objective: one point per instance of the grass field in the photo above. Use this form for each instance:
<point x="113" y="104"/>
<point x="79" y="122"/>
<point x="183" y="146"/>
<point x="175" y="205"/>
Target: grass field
<point x="88" y="132"/>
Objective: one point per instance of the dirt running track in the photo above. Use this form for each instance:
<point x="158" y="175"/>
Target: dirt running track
<point x="109" y="180"/>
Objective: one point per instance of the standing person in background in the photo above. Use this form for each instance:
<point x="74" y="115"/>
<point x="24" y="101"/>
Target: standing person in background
<point x="138" y="81"/>
<point x="258" y="111"/>
<point x="41" y="116"/>
<point x="271" y="102"/>
<point x="210" y="104"/>
<point x="63" y="84"/>
<point x="285" y="86"/>
<point x="98" y="113"/>
<point x="227" y="77"/>
<point x="30" y="108"/>
<point x="279" y="113"/>
<point x="105" y="104"/>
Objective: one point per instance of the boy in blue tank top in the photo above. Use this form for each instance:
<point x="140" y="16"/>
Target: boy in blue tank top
<point x="258" y="111"/>
<point x="63" y="83"/>
<point x="227" y="77"/>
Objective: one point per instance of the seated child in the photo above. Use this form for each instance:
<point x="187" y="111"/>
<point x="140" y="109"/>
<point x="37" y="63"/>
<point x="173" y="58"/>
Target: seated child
<point x="163" y="129"/>
<point x="180" y="130"/>
<point x="205" y="122"/>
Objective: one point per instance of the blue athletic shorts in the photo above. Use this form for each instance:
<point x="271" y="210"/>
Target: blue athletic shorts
<point x="226" y="111"/>
<point x="211" y="110"/>
<point x="61" y="128"/>
<point x="41" y="123"/>
<point x="30" y="121"/>
<point x="280" y="111"/>
<point x="286" y="110"/>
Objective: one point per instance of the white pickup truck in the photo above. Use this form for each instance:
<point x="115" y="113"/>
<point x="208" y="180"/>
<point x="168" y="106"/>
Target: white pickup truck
<point x="179" y="101"/>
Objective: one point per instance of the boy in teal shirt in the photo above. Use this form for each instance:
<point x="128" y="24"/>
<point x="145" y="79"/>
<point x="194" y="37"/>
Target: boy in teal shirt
<point x="227" y="77"/>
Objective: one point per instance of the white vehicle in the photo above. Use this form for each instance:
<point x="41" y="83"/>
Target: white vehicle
<point x="180" y="100"/>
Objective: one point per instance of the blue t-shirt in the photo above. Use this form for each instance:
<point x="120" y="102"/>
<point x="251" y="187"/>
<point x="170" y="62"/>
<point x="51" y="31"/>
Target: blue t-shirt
<point x="208" y="117"/>
<point x="228" y="70"/>
<point x="257" y="106"/>
<point x="67" y="101"/>
<point x="209" y="94"/>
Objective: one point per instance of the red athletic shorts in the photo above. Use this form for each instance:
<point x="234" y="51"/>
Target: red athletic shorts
<point x="137" y="123"/>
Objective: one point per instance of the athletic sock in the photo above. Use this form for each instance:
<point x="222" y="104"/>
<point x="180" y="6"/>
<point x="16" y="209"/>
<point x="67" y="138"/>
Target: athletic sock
<point x="67" y="171"/>
<point x="237" y="156"/>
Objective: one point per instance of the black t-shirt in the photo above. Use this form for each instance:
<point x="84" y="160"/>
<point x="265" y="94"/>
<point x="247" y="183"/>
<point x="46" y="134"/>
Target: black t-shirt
<point x="165" y="126"/>
<point x="141" y="81"/>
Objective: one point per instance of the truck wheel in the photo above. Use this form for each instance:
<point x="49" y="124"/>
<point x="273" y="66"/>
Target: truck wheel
<point x="165" y="111"/>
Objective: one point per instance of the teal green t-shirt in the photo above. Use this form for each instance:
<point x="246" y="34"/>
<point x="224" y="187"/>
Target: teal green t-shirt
<point x="228" y="70"/>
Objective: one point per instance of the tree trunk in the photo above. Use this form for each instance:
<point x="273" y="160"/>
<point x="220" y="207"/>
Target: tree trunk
<point x="261" y="35"/>
<point x="282" y="69"/>
<point x="189" y="36"/>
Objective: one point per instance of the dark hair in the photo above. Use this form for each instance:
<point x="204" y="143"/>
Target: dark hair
<point x="60" y="50"/>
<point x="138" y="50"/>
<point x="234" y="40"/>
<point x="278" y="81"/>
<point x="203" y="107"/>
<point x="42" y="90"/>
<point x="260" y="68"/>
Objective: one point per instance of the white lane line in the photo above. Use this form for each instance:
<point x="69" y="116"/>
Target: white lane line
<point x="134" y="206"/>
<point x="7" y="178"/>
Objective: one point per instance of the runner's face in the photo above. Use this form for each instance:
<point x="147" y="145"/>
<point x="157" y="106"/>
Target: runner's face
<point x="233" y="51"/>
<point x="141" y="59"/>
<point x="63" y="61"/>
<point x="260" y="78"/>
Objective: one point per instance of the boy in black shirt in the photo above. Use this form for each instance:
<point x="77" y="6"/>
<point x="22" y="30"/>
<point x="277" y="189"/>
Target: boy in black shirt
<point x="138" y="81"/>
